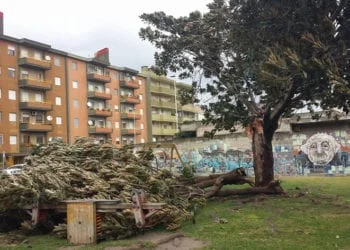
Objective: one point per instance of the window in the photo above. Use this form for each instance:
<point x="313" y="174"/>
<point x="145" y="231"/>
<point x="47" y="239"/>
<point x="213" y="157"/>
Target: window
<point x="108" y="124"/>
<point x="58" y="120"/>
<point x="76" y="104"/>
<point x="24" y="96"/>
<point x="12" y="95"/>
<point x="0" y="116"/>
<point x="117" y="140"/>
<point x="23" y="52"/>
<point x="116" y="108"/>
<point x="116" y="124"/>
<point x="11" y="72"/>
<point x="74" y="66"/>
<point x="24" y="74"/>
<point x="142" y="140"/>
<point x="57" y="61"/>
<point x="1" y="139"/>
<point x="38" y="97"/>
<point x="13" y="140"/>
<point x="75" y="84"/>
<point x="140" y="97"/>
<point x="141" y="126"/>
<point x="115" y="75"/>
<point x="140" y="82"/>
<point x="12" y="117"/>
<point x="115" y="92"/>
<point x="37" y="55"/>
<point x="11" y="51"/>
<point x="141" y="111"/>
<point x="57" y="81"/>
<point x="108" y="90"/>
<point x="76" y="122"/>
<point x="58" y="101"/>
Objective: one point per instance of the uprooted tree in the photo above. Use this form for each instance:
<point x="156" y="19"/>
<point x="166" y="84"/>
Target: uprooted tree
<point x="262" y="60"/>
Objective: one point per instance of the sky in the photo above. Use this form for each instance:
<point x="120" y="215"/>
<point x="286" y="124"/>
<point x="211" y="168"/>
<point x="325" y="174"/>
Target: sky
<point x="84" y="27"/>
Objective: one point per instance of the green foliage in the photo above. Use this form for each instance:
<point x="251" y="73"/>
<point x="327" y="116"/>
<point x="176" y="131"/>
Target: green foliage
<point x="262" y="58"/>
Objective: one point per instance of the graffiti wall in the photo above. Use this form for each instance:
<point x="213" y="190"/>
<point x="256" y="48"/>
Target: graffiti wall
<point x="301" y="153"/>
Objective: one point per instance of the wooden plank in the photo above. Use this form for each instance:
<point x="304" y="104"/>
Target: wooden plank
<point x="81" y="222"/>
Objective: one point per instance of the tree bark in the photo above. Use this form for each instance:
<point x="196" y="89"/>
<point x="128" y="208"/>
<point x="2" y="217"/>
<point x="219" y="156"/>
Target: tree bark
<point x="262" y="152"/>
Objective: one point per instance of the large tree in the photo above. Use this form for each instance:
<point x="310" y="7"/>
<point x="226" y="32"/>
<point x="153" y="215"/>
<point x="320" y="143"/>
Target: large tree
<point x="264" y="59"/>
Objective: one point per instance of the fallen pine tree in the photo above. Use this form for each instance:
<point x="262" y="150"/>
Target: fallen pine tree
<point x="86" y="170"/>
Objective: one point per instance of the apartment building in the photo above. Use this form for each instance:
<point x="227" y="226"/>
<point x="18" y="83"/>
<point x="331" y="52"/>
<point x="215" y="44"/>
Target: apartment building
<point x="167" y="114"/>
<point x="50" y="94"/>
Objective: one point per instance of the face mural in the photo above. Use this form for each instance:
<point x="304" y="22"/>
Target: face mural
<point x="320" y="148"/>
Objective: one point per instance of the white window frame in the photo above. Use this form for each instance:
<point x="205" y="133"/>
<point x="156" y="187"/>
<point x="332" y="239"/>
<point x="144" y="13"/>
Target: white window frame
<point x="59" y="120"/>
<point x="76" y="122"/>
<point x="58" y="101"/>
<point x="75" y="84"/>
<point x="12" y="94"/>
<point x="12" y="117"/>
<point x="57" y="61"/>
<point x="57" y="81"/>
<point x="13" y="139"/>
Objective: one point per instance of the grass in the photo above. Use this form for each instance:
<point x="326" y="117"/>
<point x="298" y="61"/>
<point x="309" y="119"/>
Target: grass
<point x="314" y="215"/>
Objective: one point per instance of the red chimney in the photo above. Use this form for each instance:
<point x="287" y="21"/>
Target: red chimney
<point x="1" y="23"/>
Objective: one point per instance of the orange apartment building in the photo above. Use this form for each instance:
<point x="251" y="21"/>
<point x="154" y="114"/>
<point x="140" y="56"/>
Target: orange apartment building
<point x="50" y="94"/>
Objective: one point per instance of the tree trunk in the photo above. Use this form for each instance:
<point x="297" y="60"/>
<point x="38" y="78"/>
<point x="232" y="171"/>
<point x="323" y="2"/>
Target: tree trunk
<point x="262" y="153"/>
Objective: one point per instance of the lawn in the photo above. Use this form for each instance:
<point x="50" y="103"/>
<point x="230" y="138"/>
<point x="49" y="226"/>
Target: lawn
<point x="315" y="214"/>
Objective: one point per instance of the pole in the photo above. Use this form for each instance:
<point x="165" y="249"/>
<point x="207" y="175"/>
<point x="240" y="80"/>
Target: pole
<point x="3" y="159"/>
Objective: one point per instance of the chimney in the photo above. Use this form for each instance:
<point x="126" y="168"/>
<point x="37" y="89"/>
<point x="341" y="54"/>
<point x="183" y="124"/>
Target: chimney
<point x="103" y="55"/>
<point x="1" y="23"/>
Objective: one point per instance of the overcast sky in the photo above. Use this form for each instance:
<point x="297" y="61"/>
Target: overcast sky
<point x="83" y="27"/>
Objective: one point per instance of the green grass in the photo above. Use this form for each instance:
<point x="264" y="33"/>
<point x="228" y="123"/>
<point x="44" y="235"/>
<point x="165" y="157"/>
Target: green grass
<point x="314" y="215"/>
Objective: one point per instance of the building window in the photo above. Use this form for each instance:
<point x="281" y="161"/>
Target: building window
<point x="108" y="124"/>
<point x="76" y="122"/>
<point x="140" y="82"/>
<point x="13" y="140"/>
<point x="108" y="90"/>
<point x="58" y="101"/>
<point x="74" y="66"/>
<point x="76" y="104"/>
<point x="115" y="92"/>
<point x="116" y="108"/>
<point x="12" y="117"/>
<point x="141" y="111"/>
<point x="12" y="95"/>
<point x="11" y="51"/>
<point x="1" y="139"/>
<point x="116" y="124"/>
<point x="75" y="84"/>
<point x="140" y="97"/>
<point x="0" y="116"/>
<point x="57" y="81"/>
<point x="23" y="52"/>
<point x="37" y="55"/>
<point x="11" y="73"/>
<point x="141" y="126"/>
<point x="115" y="75"/>
<point x="57" y="61"/>
<point x="142" y="140"/>
<point x="58" y="120"/>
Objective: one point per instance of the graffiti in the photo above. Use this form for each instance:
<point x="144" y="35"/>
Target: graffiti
<point x="320" y="148"/>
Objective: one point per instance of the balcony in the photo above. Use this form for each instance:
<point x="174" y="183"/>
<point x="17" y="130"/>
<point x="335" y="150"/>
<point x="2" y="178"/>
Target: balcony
<point x="130" y="99"/>
<point x="169" y="105"/>
<point x="32" y="105"/>
<point x="34" y="84"/>
<point x="163" y="118"/>
<point x="100" y="130"/>
<point x="35" y="127"/>
<point x="130" y="131"/>
<point x="129" y="84"/>
<point x="162" y="90"/>
<point x="190" y="108"/>
<point x="34" y="63"/>
<point x="98" y="77"/>
<point x="100" y="112"/>
<point x="99" y="95"/>
<point x="164" y="131"/>
<point x="130" y="115"/>
<point x="25" y="148"/>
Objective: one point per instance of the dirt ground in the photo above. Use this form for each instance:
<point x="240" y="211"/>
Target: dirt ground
<point x="183" y="243"/>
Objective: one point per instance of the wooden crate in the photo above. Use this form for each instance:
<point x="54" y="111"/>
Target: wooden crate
<point x="81" y="222"/>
